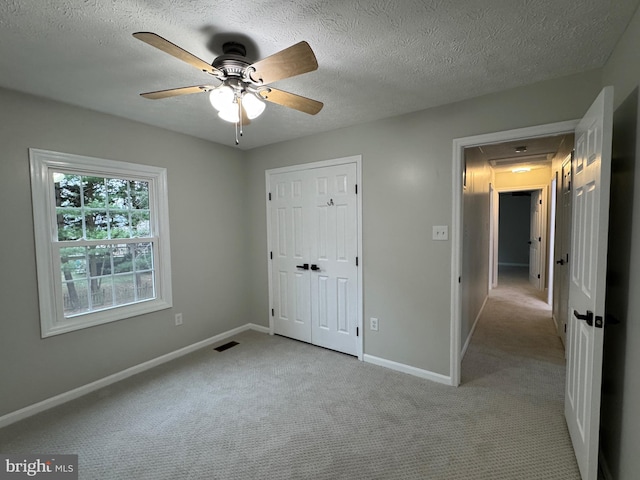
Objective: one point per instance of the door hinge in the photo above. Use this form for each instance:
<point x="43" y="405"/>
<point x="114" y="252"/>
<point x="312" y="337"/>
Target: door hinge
<point x="538" y="275"/>
<point x="356" y="188"/>
<point x="356" y="261"/>
<point x="459" y="279"/>
<point x="271" y="255"/>
<point x="565" y="328"/>
<point x="273" y="312"/>
<point x="539" y="239"/>
<point x="357" y="331"/>
<point x="269" y="196"/>
<point x="540" y="201"/>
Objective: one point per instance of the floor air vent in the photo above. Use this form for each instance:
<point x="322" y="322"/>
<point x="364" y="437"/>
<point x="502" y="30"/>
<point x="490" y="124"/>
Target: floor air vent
<point x="226" y="346"/>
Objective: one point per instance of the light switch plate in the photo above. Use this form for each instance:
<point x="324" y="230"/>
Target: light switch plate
<point x="440" y="232"/>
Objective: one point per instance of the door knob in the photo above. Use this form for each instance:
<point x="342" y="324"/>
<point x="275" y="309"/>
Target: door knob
<point x="315" y="267"/>
<point x="588" y="317"/>
<point x="303" y="267"/>
<point x="560" y="262"/>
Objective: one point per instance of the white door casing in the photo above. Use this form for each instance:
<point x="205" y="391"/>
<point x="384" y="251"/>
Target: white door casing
<point x="590" y="220"/>
<point x="315" y="283"/>
<point x="550" y="277"/>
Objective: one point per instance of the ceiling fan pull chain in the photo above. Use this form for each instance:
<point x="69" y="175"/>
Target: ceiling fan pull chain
<point x="237" y="141"/>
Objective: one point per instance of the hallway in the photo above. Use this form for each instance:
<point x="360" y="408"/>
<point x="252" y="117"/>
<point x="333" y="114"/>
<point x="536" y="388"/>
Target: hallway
<point x="516" y="354"/>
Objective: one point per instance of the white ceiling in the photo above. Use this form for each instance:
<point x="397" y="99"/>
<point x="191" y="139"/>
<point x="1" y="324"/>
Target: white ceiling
<point x="377" y="58"/>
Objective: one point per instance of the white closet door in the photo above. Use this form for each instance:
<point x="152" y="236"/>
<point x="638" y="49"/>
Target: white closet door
<point x="314" y="239"/>
<point x="334" y="251"/>
<point x="289" y="233"/>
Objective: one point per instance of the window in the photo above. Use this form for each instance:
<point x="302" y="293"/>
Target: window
<point x="102" y="240"/>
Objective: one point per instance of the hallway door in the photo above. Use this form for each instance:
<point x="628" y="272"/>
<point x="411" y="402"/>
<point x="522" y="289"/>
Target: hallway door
<point x="589" y="231"/>
<point x="314" y="238"/>
<point x="563" y="231"/>
<point x="535" y="240"/>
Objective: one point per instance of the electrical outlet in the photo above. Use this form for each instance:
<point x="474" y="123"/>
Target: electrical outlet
<point x="178" y="319"/>
<point x="373" y="324"/>
<point x="440" y="232"/>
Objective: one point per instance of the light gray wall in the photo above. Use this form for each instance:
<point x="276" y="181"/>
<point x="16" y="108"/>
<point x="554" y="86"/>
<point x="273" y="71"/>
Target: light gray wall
<point x="514" y="229"/>
<point x="207" y="195"/>
<point x="620" y="421"/>
<point x="407" y="188"/>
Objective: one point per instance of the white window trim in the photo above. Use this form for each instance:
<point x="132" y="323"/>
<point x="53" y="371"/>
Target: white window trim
<point x="42" y="164"/>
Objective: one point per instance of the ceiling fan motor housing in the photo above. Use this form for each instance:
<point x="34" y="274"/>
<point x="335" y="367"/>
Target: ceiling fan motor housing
<point x="233" y="63"/>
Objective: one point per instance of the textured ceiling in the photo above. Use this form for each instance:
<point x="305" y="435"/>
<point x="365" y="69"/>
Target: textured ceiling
<point x="538" y="152"/>
<point x="377" y="58"/>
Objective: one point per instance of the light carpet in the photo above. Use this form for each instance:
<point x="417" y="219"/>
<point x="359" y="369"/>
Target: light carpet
<point x="274" y="408"/>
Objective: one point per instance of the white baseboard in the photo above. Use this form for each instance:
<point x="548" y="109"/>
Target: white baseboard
<point x="473" y="329"/>
<point x="401" y="367"/>
<point x="51" y="402"/>
<point x="507" y="264"/>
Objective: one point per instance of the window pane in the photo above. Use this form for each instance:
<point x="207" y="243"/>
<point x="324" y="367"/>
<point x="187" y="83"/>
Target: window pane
<point x="69" y="223"/>
<point x="118" y="193"/>
<point x="99" y="260"/>
<point x="73" y="263"/>
<point x="97" y="225"/>
<point x="101" y="293"/>
<point x="120" y="224"/>
<point x="67" y="189"/>
<point x="145" y="286"/>
<point x="124" y="289"/>
<point x="143" y="256"/>
<point x="123" y="258"/>
<point x="74" y="296"/>
<point x="140" y="224"/>
<point x="95" y="192"/>
<point x="139" y="195"/>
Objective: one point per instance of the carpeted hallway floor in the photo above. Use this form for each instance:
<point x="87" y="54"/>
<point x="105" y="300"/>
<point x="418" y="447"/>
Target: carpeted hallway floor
<point x="278" y="409"/>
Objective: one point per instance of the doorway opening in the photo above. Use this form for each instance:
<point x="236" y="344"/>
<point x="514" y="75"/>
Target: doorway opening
<point x="523" y="237"/>
<point x="486" y="163"/>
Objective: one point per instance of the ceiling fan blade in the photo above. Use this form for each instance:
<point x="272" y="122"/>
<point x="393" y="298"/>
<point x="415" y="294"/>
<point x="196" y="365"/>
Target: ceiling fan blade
<point x="174" y="92"/>
<point x="292" y="61"/>
<point x="174" y="50"/>
<point x="291" y="100"/>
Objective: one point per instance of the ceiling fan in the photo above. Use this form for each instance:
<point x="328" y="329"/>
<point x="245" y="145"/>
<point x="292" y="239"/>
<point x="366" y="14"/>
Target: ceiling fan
<point x="242" y="84"/>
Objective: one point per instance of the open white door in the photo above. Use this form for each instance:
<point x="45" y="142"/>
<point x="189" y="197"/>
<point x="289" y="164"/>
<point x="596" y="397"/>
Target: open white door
<point x="588" y="264"/>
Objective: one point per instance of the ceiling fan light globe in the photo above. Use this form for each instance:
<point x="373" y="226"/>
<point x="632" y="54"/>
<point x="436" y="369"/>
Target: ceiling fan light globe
<point x="230" y="114"/>
<point x="252" y="106"/>
<point x="221" y="98"/>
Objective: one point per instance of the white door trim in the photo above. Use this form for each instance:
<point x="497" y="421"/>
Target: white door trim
<point x="459" y="144"/>
<point x="357" y="159"/>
